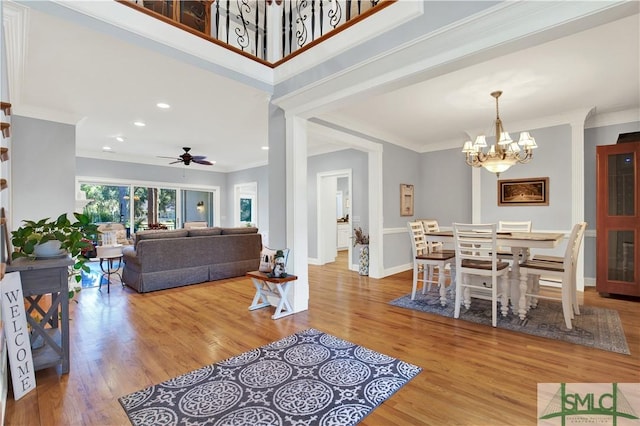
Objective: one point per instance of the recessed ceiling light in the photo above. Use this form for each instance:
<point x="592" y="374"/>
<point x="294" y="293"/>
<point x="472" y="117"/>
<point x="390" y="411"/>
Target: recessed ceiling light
<point x="266" y="148"/>
<point x="139" y="123"/>
<point x="106" y="148"/>
<point x="119" y="138"/>
<point x="163" y="105"/>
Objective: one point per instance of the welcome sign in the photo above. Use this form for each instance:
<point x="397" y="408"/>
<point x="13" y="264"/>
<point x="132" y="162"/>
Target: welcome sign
<point x="17" y="333"/>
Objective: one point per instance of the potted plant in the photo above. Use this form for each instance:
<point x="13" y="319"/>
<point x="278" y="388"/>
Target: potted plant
<point x="68" y="238"/>
<point x="360" y="238"/>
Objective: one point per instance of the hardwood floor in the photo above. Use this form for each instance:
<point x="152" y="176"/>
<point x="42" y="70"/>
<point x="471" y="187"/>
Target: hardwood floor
<point x="472" y="374"/>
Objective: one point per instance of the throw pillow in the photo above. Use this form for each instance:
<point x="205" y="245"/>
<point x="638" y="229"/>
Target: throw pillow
<point x="267" y="258"/>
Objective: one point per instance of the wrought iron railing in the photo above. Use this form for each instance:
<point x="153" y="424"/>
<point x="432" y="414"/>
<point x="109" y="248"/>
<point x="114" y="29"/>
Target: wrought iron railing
<point x="267" y="30"/>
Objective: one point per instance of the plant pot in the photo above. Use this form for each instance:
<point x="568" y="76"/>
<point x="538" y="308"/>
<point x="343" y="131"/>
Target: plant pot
<point x="48" y="249"/>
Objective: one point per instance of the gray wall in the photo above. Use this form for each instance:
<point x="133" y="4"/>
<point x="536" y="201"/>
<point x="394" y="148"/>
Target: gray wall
<point x="43" y="169"/>
<point x="445" y="190"/>
<point x="277" y="178"/>
<point x="256" y="174"/>
<point x="147" y="172"/>
<point x="552" y="159"/>
<point x="339" y="160"/>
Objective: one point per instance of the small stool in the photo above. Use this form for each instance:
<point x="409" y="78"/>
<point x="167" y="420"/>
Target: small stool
<point x="276" y="287"/>
<point x="109" y="254"/>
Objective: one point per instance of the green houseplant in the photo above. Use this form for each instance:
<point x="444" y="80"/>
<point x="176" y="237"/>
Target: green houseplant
<point x="74" y="237"/>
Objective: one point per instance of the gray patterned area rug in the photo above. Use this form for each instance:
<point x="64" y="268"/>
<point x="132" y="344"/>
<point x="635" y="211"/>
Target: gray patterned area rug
<point x="308" y="378"/>
<point x="594" y="327"/>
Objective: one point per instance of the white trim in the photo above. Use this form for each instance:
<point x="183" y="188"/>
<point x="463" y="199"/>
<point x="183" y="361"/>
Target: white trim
<point x="398" y="269"/>
<point x="613" y="118"/>
<point x="15" y="28"/>
<point x="374" y="169"/>
<point x="296" y="208"/>
<point x="399" y="230"/>
<point x="376" y="24"/>
<point x="348" y="173"/>
<point x="577" y="183"/>
<point x="147" y="183"/>
<point x="493" y="28"/>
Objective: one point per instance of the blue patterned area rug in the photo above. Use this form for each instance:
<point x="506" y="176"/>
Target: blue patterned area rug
<point x="308" y="378"/>
<point x="594" y="327"/>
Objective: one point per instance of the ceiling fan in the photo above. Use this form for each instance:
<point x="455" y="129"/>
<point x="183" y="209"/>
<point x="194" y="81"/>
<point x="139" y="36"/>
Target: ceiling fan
<point x="187" y="158"/>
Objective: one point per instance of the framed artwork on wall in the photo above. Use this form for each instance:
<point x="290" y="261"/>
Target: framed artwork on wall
<point x="406" y="199"/>
<point x="523" y="192"/>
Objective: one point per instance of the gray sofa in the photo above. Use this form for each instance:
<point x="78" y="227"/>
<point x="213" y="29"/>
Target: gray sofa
<point x="167" y="259"/>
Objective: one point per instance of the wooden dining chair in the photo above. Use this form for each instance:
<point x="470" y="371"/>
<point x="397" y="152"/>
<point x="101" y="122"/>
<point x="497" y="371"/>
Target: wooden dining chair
<point x="505" y="253"/>
<point x="428" y="266"/>
<point x="431" y="225"/>
<point x="565" y="271"/>
<point x="476" y="255"/>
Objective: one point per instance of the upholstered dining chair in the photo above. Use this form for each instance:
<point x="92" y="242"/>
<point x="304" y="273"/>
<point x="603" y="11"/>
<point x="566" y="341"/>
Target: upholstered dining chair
<point x="427" y="264"/>
<point x="476" y="255"/>
<point x="565" y="271"/>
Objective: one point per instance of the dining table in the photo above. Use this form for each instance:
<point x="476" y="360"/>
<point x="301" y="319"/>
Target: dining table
<point x="519" y="243"/>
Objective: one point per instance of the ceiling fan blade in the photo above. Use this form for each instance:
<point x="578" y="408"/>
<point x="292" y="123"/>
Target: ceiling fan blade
<point x="198" y="157"/>
<point x="174" y="162"/>
<point x="205" y="162"/>
<point x="173" y="158"/>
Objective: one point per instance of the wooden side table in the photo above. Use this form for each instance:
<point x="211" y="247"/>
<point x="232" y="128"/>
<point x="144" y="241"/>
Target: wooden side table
<point x="39" y="278"/>
<point x="275" y="287"/>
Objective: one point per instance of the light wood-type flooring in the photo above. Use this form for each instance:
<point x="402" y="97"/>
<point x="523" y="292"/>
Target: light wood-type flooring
<point x="472" y="374"/>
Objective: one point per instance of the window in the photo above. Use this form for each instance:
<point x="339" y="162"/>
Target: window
<point x="143" y="205"/>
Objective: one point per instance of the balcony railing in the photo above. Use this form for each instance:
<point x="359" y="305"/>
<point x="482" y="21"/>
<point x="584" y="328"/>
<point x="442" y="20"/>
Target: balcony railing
<point x="270" y="31"/>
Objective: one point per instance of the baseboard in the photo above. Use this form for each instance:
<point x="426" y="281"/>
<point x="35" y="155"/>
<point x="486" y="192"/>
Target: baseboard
<point x="313" y="261"/>
<point x="397" y="269"/>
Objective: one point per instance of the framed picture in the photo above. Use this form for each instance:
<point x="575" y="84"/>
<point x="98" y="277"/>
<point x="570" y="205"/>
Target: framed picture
<point x="524" y="192"/>
<point x="406" y="199"/>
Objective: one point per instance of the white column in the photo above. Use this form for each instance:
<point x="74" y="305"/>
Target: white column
<point x="274" y="34"/>
<point x="577" y="183"/>
<point x="296" y="210"/>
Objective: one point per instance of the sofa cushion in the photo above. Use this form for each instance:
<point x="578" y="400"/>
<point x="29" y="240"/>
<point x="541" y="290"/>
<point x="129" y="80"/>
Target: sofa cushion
<point x="204" y="232"/>
<point x="154" y="234"/>
<point x="240" y="230"/>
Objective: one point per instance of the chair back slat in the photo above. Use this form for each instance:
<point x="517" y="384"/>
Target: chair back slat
<point x="418" y="241"/>
<point x="514" y="226"/>
<point x="431" y="225"/>
<point x="476" y="242"/>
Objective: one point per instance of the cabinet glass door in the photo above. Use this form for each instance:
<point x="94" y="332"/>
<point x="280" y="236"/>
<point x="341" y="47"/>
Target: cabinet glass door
<point x="621" y="184"/>
<point x="618" y="218"/>
<point x="621" y="203"/>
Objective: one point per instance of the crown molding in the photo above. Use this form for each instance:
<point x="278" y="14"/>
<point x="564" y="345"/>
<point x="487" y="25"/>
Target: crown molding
<point x="15" y="20"/>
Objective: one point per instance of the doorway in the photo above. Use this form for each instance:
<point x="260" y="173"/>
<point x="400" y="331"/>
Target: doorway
<point x="334" y="215"/>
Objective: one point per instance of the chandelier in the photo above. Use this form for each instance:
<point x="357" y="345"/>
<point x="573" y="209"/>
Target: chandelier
<point x="502" y="155"/>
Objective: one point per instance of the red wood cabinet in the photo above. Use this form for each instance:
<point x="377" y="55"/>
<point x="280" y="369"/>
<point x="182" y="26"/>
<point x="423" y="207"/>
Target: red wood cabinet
<point x="618" y="218"/>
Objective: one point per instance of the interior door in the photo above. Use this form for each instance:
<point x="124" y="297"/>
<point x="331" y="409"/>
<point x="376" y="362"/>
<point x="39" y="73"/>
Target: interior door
<point x="618" y="219"/>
